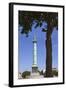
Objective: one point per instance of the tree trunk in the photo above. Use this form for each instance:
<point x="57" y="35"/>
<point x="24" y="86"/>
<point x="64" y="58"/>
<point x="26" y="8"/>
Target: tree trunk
<point x="49" y="53"/>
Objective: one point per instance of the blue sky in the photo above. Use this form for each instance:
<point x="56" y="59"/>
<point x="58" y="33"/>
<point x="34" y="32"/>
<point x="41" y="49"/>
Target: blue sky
<point x="25" y="49"/>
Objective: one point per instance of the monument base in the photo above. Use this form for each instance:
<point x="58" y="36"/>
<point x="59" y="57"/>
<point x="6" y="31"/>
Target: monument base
<point x="34" y="69"/>
<point x="36" y="76"/>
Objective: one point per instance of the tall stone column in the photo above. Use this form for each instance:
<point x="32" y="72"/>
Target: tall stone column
<point x="34" y="51"/>
<point x="34" y="66"/>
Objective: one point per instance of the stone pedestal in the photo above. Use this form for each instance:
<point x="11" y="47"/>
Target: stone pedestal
<point x="34" y="69"/>
<point x="36" y="75"/>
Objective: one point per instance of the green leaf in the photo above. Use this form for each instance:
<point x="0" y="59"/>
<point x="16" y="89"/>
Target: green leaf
<point x="44" y="30"/>
<point x="37" y="25"/>
<point x="40" y="24"/>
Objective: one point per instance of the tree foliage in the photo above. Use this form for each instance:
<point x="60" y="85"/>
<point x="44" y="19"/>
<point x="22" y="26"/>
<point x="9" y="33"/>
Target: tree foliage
<point x="25" y="73"/>
<point x="41" y="73"/>
<point x="27" y="18"/>
<point x="55" y="72"/>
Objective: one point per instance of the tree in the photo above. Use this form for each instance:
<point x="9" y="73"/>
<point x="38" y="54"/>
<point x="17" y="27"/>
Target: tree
<point x="41" y="73"/>
<point x="25" y="73"/>
<point x="27" y="19"/>
<point x="55" y="73"/>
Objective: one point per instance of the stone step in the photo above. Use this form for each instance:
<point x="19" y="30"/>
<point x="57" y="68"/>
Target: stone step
<point x="36" y="75"/>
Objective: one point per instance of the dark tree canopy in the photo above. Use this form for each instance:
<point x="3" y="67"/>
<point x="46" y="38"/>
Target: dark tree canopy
<point x="27" y="18"/>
